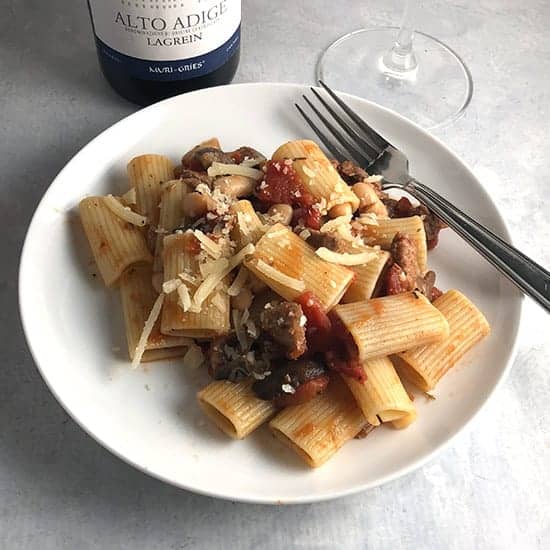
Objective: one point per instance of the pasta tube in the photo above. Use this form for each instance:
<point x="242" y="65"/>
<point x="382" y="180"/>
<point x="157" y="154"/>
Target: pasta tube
<point x="138" y="296"/>
<point x="234" y="408"/>
<point x="248" y="226"/>
<point x="289" y="266"/>
<point x="213" y="318"/>
<point x="383" y="233"/>
<point x="316" y="173"/>
<point x="146" y="173"/>
<point x="318" y="428"/>
<point x="115" y="243"/>
<point x="392" y="324"/>
<point x="381" y="397"/>
<point x="425" y="365"/>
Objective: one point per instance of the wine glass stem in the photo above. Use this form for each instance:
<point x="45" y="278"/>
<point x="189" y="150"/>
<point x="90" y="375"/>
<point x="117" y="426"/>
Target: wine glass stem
<point x="400" y="58"/>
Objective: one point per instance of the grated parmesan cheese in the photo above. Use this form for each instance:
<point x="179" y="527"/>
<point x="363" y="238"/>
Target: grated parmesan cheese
<point x="147" y="329"/>
<point x="344" y="258"/>
<point x="187" y="277"/>
<point x="208" y="245"/>
<point x="304" y="234"/>
<point x="221" y="169"/>
<point x="124" y="212"/>
<point x="213" y="266"/>
<point x="238" y="283"/>
<point x="169" y="286"/>
<point x="210" y="283"/>
<point x="334" y="225"/>
<point x="281" y="278"/>
<point x="184" y="298"/>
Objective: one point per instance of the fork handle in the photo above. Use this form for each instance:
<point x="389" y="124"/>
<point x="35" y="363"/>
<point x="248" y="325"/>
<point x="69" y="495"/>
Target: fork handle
<point x="526" y="274"/>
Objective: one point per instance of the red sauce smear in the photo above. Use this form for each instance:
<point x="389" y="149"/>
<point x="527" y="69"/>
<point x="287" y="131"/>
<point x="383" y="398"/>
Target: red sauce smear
<point x="318" y="325"/>
<point x="281" y="185"/>
<point x="342" y="357"/>
<point x="192" y="245"/>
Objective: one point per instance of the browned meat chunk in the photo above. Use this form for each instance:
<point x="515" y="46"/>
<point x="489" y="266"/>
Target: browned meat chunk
<point x="229" y="362"/>
<point x="207" y="155"/>
<point x="402" y="274"/>
<point x="426" y="285"/>
<point x="403" y="208"/>
<point x="330" y="241"/>
<point x="292" y="383"/>
<point x="351" y="173"/>
<point x="245" y="153"/>
<point x="192" y="177"/>
<point x="284" y="323"/>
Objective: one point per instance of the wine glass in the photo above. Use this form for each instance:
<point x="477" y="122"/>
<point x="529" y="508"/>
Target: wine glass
<point x="408" y="71"/>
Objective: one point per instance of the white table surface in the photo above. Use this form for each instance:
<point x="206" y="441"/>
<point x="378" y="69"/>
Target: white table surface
<point x="489" y="489"/>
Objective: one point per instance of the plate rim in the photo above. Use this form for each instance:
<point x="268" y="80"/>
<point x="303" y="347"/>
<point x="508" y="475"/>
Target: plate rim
<point x="304" y="499"/>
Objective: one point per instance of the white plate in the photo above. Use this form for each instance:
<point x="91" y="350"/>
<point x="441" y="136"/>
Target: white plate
<point x="150" y="417"/>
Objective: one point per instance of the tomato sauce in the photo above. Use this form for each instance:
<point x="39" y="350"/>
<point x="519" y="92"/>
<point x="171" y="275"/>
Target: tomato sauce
<point x="281" y="185"/>
<point x="318" y="325"/>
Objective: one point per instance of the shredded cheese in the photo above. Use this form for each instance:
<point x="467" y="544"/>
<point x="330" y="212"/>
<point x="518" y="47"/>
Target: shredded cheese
<point x="221" y="169"/>
<point x="368" y="218"/>
<point x="344" y="258"/>
<point x="212" y="281"/>
<point x="184" y="298"/>
<point x="213" y="266"/>
<point x="238" y="283"/>
<point x="124" y="212"/>
<point x="147" y="329"/>
<point x="187" y="277"/>
<point x="208" y="245"/>
<point x="218" y="302"/>
<point x="277" y="276"/>
<point x="334" y="225"/>
<point x="169" y="286"/>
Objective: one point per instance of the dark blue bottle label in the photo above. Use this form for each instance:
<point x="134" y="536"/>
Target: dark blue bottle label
<point x="166" y="39"/>
<point x="169" y="70"/>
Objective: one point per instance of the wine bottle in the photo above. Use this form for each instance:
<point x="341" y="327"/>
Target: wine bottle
<point x="152" y="49"/>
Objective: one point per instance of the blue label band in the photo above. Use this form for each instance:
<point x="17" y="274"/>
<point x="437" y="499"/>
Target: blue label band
<point x="169" y="70"/>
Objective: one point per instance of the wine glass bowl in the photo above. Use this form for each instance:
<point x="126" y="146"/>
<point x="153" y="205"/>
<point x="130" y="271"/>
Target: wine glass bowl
<point x="419" y="77"/>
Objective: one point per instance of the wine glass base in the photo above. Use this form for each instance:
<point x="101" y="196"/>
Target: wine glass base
<point x="433" y="94"/>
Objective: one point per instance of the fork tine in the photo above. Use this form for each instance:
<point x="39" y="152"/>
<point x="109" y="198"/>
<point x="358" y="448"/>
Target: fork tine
<point x="360" y="157"/>
<point x="373" y="134"/>
<point x="372" y="153"/>
<point x="332" y="147"/>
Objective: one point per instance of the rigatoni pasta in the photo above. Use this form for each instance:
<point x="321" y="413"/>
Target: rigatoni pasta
<point x="288" y="265"/>
<point x="234" y="407"/>
<point x="425" y="365"/>
<point x="116" y="244"/>
<point x="180" y="264"/>
<point x="291" y="280"/>
<point x="138" y="296"/>
<point x="146" y="173"/>
<point x="318" y="428"/>
<point x="316" y="173"/>
<point x="391" y="324"/>
<point x="381" y="396"/>
<point x="383" y="232"/>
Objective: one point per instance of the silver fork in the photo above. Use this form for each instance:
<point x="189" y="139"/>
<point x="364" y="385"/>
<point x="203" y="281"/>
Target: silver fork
<point x="348" y="137"/>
